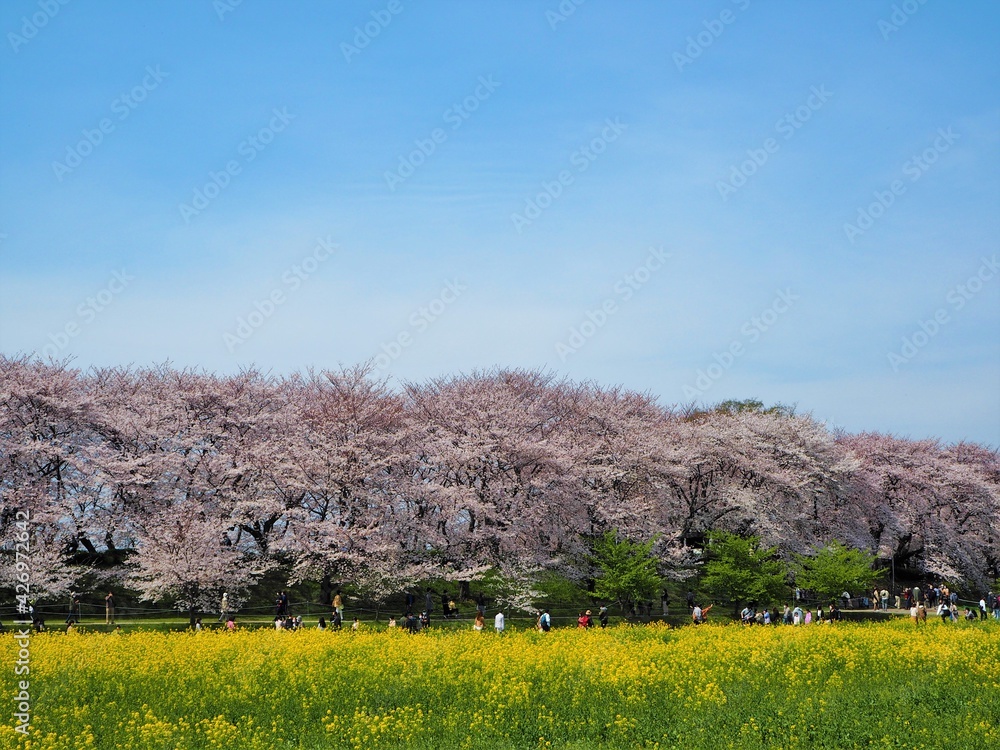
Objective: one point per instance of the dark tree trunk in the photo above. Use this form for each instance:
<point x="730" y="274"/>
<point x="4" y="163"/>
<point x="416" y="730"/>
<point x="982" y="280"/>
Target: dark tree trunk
<point x="326" y="590"/>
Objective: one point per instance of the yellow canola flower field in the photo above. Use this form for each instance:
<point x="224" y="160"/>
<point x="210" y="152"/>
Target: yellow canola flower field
<point x="875" y="685"/>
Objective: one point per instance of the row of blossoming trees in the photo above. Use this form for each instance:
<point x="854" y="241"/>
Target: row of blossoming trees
<point x="198" y="482"/>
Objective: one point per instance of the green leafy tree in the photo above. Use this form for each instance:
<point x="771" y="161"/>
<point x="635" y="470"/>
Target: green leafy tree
<point x="739" y="570"/>
<point x="836" y="568"/>
<point x="627" y="570"/>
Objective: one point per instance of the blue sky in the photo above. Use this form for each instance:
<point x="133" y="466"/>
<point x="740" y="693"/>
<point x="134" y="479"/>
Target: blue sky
<point x="789" y="201"/>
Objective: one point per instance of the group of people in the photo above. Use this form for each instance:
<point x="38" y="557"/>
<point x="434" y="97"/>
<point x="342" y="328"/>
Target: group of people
<point x="586" y="620"/>
<point x="449" y="609"/>
<point x="75" y="615"/>
<point x="751" y="615"/>
<point x="880" y="599"/>
<point x="411" y="622"/>
<point x="280" y="604"/>
<point x="335" y="623"/>
<point x="948" y="611"/>
<point x="790" y="615"/>
<point x="198" y="627"/>
<point x="699" y="615"/>
<point x="543" y="622"/>
<point x="944" y="602"/>
<point x="940" y="599"/>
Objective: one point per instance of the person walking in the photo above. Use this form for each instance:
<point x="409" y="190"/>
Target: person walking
<point x="109" y="609"/>
<point x="338" y="605"/>
<point x="74" y="609"/>
<point x="498" y="622"/>
<point x="224" y="607"/>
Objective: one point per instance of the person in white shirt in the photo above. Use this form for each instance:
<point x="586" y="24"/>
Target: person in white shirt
<point x="498" y="622"/>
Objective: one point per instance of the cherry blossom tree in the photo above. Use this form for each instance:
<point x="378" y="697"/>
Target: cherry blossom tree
<point x="491" y="475"/>
<point x="198" y="479"/>
<point x="184" y="554"/>
<point x="926" y="505"/>
<point x="48" y="458"/>
<point x="343" y="469"/>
